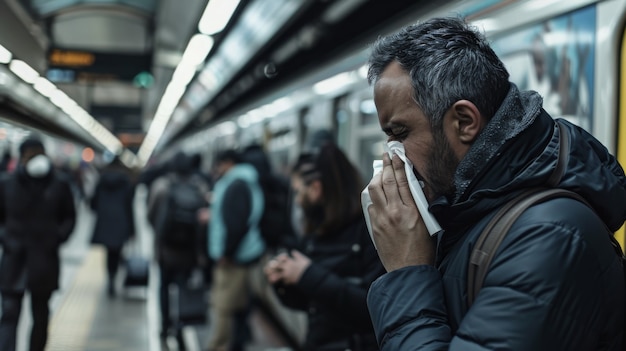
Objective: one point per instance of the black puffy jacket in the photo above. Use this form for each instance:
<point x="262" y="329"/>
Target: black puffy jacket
<point x="38" y="215"/>
<point x="555" y="282"/>
<point x="333" y="289"/>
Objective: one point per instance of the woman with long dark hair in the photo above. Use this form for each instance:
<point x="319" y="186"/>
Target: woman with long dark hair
<point x="329" y="274"/>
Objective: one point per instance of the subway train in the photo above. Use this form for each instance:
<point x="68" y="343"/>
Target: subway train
<point x="571" y="52"/>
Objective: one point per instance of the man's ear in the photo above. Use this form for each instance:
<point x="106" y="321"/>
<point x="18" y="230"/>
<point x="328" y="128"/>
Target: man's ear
<point x="466" y="121"/>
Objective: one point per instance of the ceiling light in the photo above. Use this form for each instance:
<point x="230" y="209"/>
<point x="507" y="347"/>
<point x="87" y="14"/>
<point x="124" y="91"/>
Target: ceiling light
<point x="24" y="71"/>
<point x="44" y="87"/>
<point x="368" y="107"/>
<point x="227" y="128"/>
<point x="5" y="55"/>
<point x="4" y="78"/>
<point x="61" y="100"/>
<point x="340" y="9"/>
<point x="486" y="24"/>
<point x="363" y="71"/>
<point x="128" y="158"/>
<point x="333" y="84"/>
<point x="182" y="76"/>
<point x="207" y="79"/>
<point x="216" y="16"/>
<point x="197" y="50"/>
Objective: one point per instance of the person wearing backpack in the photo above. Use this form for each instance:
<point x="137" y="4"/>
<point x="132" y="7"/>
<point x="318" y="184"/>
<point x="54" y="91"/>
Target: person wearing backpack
<point x="175" y="202"/>
<point x="235" y="242"/>
<point x="277" y="232"/>
<point x="476" y="142"/>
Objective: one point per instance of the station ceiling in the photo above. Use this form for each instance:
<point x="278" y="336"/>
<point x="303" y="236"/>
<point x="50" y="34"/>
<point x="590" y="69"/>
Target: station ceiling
<point x="115" y="58"/>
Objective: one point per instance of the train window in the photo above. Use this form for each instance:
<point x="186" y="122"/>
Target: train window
<point x="341" y="121"/>
<point x="371" y="149"/>
<point x="367" y="109"/>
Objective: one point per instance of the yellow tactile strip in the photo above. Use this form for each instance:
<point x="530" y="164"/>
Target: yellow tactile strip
<point x="72" y="322"/>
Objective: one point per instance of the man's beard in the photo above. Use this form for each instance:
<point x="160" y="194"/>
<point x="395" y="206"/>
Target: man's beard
<point x="441" y="167"/>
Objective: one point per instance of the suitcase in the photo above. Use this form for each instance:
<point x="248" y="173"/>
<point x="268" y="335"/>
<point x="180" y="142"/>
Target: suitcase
<point x="190" y="302"/>
<point x="137" y="267"/>
<point x="137" y="271"/>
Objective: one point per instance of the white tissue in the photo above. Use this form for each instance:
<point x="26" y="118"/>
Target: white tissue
<point x="416" y="189"/>
<point x="366" y="200"/>
<point x="415" y="186"/>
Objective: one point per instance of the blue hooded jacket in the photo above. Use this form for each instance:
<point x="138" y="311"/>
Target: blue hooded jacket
<point x="252" y="245"/>
<point x="555" y="282"/>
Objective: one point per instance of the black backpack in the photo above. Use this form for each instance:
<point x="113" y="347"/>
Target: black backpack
<point x="275" y="224"/>
<point x="180" y="216"/>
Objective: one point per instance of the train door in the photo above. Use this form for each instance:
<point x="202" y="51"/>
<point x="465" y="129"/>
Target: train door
<point x="281" y="134"/>
<point x="341" y="121"/>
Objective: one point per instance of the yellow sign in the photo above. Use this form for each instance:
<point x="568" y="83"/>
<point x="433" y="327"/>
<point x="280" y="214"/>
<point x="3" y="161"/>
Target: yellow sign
<point x="71" y="58"/>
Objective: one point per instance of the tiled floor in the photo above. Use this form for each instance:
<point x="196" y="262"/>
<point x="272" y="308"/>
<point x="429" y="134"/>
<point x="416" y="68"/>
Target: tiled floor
<point x="85" y="318"/>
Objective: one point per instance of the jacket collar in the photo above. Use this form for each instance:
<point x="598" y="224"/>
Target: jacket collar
<point x="517" y="112"/>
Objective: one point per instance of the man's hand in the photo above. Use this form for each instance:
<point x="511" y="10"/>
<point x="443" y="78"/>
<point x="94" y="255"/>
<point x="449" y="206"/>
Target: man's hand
<point x="399" y="231"/>
<point x="287" y="269"/>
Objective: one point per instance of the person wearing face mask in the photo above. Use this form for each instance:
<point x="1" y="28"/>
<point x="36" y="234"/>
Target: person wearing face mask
<point x="328" y="276"/>
<point x="38" y="215"/>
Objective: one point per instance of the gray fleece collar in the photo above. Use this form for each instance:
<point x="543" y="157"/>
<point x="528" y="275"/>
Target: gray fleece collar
<point x="518" y="110"/>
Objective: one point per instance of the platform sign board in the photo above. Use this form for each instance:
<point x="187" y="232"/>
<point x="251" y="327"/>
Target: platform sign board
<point x="67" y="66"/>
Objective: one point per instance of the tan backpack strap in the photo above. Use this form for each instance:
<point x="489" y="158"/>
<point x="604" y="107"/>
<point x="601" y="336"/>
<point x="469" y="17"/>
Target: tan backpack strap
<point x="487" y="244"/>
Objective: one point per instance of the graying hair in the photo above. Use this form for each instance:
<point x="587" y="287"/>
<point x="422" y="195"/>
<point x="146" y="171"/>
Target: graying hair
<point x="448" y="61"/>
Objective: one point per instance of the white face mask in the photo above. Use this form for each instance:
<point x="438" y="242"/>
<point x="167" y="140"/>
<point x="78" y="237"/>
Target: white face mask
<point x="38" y="166"/>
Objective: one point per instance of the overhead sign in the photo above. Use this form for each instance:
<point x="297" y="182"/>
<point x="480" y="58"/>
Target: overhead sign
<point x="65" y="58"/>
<point x="65" y="66"/>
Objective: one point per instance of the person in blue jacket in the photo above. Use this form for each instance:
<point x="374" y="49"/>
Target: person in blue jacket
<point x="235" y="243"/>
<point x="476" y="141"/>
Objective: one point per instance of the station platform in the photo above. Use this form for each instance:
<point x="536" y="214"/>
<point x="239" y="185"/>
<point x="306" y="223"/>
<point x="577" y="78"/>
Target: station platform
<point x="85" y="318"/>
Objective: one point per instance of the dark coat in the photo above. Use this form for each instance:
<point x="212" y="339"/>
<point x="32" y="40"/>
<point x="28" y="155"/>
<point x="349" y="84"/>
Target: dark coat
<point x="38" y="216"/>
<point x="179" y="259"/>
<point x="555" y="282"/>
<point x="112" y="203"/>
<point x="333" y="288"/>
